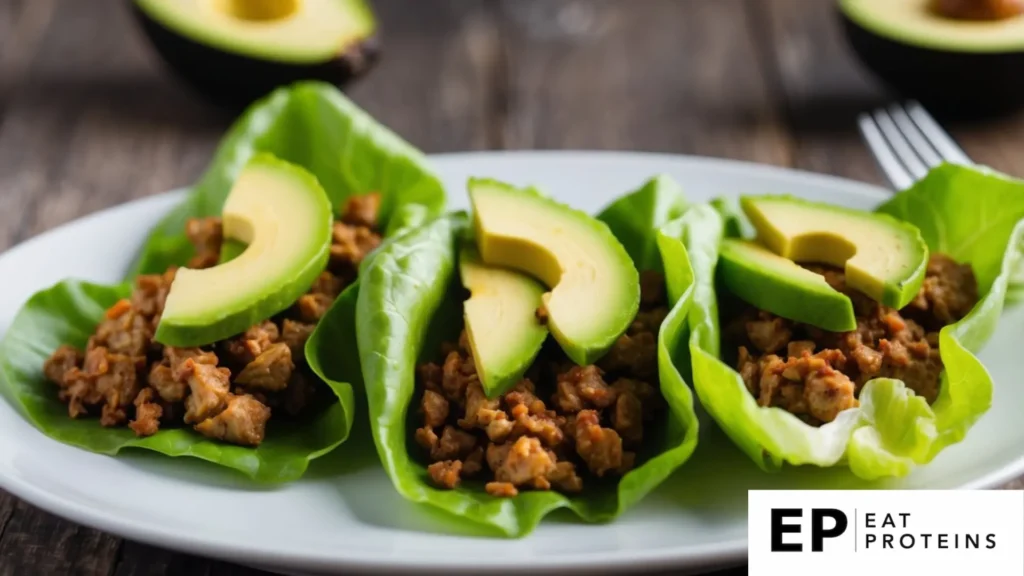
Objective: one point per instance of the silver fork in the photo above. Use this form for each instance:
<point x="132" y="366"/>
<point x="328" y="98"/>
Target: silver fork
<point x="907" y="142"/>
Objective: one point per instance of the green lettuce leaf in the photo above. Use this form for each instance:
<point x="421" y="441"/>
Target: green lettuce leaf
<point x="68" y="312"/>
<point x="314" y="125"/>
<point x="410" y="303"/>
<point x="311" y="124"/>
<point x="633" y="217"/>
<point x="973" y="216"/>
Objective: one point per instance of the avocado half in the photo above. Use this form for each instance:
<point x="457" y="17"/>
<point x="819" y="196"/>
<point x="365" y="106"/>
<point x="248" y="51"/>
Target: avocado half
<point x="235" y="51"/>
<point x="957" y="68"/>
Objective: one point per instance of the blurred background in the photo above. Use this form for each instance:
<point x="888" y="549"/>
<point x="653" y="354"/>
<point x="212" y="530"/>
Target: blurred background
<point x="91" y="116"/>
<point x="101" y="102"/>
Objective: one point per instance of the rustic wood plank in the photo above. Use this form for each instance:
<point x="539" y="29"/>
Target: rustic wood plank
<point x="225" y="569"/>
<point x="819" y="85"/>
<point x="35" y="542"/>
<point x="434" y="84"/>
<point x="142" y="560"/>
<point x="824" y="87"/>
<point x="996" y="143"/>
<point x="9" y="11"/>
<point x="95" y="122"/>
<point x="660" y="75"/>
<point x="8" y="504"/>
<point x="21" y="25"/>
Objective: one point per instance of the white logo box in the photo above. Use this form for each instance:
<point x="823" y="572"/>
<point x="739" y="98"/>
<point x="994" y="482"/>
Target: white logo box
<point x="927" y="532"/>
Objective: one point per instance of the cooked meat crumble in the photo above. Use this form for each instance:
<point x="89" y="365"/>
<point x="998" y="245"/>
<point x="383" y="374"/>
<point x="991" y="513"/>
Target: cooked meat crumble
<point x="557" y="427"/>
<point x="227" y="390"/>
<point x="817" y="374"/>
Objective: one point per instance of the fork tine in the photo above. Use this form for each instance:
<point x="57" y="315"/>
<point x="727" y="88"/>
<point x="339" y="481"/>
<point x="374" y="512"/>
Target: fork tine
<point x="900" y="146"/>
<point x="917" y="140"/>
<point x="897" y="175"/>
<point x="938" y="137"/>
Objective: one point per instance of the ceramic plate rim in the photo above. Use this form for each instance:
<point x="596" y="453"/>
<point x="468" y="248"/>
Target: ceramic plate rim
<point x="703" y="556"/>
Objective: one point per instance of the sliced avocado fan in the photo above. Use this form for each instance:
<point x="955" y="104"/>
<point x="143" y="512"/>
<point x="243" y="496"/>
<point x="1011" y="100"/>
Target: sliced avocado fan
<point x="594" y="288"/>
<point x="283" y="215"/>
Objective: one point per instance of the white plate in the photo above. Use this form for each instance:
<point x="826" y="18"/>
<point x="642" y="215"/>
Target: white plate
<point x="335" y="520"/>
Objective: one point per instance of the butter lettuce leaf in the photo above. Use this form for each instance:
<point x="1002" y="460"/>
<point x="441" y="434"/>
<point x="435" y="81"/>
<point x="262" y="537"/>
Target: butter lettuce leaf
<point x="633" y="216"/>
<point x="311" y="124"/>
<point x="68" y="312"/>
<point x="972" y="215"/>
<point x="314" y="125"/>
<point x="410" y="302"/>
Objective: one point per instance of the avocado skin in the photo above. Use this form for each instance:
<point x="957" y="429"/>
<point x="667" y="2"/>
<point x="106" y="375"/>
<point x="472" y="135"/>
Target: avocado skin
<point x="954" y="85"/>
<point x="233" y="81"/>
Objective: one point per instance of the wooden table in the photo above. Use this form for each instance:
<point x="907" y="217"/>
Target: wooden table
<point x="90" y="119"/>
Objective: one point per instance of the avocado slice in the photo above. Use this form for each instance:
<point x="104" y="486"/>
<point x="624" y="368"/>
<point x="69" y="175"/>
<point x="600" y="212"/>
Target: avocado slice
<point x="956" y="66"/>
<point x="780" y="286"/>
<point x="235" y="51"/>
<point x="284" y="217"/>
<point x="883" y="257"/>
<point x="594" y="287"/>
<point x="504" y="333"/>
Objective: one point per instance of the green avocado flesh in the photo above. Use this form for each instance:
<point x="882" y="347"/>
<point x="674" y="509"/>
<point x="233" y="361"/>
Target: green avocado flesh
<point x="290" y="31"/>
<point x="914" y="22"/>
<point x="882" y="257"/>
<point x="504" y="333"/>
<point x="284" y="217"/>
<point x="594" y="286"/>
<point x="780" y="286"/>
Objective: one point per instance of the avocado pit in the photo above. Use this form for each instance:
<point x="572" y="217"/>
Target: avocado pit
<point x="962" y="59"/>
<point x="258" y="10"/>
<point x="978" y="9"/>
<point x="234" y="52"/>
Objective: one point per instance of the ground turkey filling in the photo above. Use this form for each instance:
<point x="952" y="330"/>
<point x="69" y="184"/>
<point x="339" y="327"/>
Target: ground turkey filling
<point x="558" y="425"/>
<point x="817" y="374"/>
<point x="226" y="390"/>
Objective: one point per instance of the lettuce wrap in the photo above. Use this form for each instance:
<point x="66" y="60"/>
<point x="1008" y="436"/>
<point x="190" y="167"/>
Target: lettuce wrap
<point x="410" y="302"/>
<point x="972" y="216"/>
<point x="310" y="124"/>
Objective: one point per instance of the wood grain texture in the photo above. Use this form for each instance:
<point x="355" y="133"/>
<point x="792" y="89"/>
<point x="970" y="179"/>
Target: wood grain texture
<point x="38" y="543"/>
<point x="141" y="560"/>
<point x="94" y="122"/>
<point x="996" y="144"/>
<point x="21" y="25"/>
<point x="822" y="87"/>
<point x="818" y="85"/>
<point x="434" y="83"/>
<point x="90" y="118"/>
<point x="658" y="75"/>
